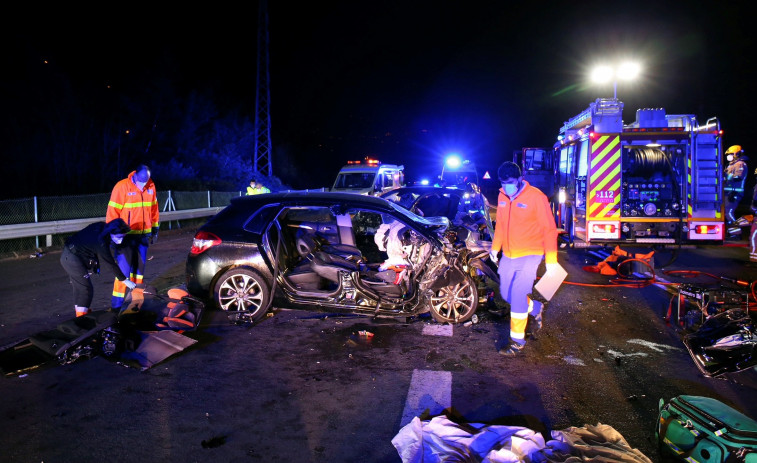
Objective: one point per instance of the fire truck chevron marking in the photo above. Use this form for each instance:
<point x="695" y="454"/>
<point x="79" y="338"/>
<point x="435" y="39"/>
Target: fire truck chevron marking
<point x="613" y="174"/>
<point x="607" y="210"/>
<point x="605" y="170"/>
<point x="604" y="146"/>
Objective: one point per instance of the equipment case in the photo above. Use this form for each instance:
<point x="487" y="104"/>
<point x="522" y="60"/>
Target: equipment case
<point x="705" y="430"/>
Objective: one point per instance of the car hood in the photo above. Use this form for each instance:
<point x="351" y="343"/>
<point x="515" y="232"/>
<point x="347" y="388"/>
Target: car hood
<point x="438" y="224"/>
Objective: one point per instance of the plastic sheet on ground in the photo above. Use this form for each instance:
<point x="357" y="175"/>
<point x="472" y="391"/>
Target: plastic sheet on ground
<point x="441" y="439"/>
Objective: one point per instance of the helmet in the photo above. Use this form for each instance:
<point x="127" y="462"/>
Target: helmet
<point x="735" y="149"/>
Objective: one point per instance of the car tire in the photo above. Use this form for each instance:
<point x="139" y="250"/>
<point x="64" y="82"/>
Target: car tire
<point x="455" y="303"/>
<point x="241" y="289"/>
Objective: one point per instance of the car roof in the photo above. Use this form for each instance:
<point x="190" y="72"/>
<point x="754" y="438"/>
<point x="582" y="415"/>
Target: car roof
<point x="313" y="198"/>
<point x="243" y="206"/>
<point x="423" y="189"/>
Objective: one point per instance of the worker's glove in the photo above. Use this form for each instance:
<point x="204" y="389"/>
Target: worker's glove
<point x="130" y="284"/>
<point x="553" y="267"/>
<point x="494" y="256"/>
<point x="154" y="237"/>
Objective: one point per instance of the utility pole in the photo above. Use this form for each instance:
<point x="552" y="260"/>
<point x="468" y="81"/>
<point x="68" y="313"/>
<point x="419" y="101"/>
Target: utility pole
<point x="263" y="162"/>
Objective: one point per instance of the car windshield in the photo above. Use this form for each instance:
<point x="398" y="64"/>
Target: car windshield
<point x="436" y="222"/>
<point x="453" y="177"/>
<point x="354" y="180"/>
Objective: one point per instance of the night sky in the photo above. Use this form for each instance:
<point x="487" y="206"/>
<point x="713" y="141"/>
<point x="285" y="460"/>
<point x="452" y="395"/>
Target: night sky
<point x="409" y="81"/>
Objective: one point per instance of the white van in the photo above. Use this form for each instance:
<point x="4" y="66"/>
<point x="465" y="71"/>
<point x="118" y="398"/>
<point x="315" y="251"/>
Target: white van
<point x="369" y="177"/>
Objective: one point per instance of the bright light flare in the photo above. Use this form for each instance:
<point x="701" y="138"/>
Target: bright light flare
<point x="628" y="71"/>
<point x="625" y="71"/>
<point x="453" y="161"/>
<point x="602" y="74"/>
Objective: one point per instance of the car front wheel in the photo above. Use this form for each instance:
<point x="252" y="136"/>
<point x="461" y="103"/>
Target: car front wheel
<point x="242" y="290"/>
<point x="455" y="303"/>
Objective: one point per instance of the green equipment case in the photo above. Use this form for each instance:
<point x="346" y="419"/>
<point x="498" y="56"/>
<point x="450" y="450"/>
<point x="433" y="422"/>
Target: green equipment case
<point x="705" y="430"/>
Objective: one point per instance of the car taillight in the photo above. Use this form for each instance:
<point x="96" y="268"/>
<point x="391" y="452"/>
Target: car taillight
<point x="203" y="241"/>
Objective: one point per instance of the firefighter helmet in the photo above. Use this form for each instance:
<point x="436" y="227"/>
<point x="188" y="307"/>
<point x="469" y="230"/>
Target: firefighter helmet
<point x="735" y="149"/>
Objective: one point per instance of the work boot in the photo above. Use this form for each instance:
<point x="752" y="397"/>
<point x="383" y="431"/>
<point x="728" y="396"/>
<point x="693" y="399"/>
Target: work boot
<point x="534" y="325"/>
<point x="512" y="349"/>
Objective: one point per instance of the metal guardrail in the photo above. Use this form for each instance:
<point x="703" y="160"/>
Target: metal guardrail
<point x="29" y="210"/>
<point x="25" y="230"/>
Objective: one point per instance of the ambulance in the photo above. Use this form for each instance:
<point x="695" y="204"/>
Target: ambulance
<point x="369" y="177"/>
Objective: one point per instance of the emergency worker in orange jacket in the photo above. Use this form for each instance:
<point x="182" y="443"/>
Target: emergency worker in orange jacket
<point x="135" y="200"/>
<point x="525" y="233"/>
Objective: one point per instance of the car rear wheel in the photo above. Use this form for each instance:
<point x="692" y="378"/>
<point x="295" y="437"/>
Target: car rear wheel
<point x="455" y="303"/>
<point x="242" y="290"/>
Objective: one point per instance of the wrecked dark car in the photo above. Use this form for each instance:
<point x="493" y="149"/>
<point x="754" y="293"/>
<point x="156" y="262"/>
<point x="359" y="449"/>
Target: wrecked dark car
<point x="467" y="210"/>
<point x="335" y="252"/>
<point x="726" y="342"/>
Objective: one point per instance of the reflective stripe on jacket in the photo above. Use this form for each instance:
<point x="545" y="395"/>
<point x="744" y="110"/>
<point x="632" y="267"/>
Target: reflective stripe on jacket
<point x="525" y="226"/>
<point x="735" y="176"/>
<point x="138" y="208"/>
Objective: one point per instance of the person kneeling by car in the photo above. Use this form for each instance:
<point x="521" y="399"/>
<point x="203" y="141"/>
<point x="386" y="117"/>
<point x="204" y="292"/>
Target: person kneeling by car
<point x="82" y="253"/>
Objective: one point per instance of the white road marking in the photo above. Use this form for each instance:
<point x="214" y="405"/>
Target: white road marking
<point x="430" y="390"/>
<point x="652" y="345"/>
<point x="616" y="354"/>
<point x="437" y="329"/>
<point x="570" y="360"/>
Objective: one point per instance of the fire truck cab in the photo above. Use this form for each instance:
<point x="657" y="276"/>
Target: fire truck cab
<point x="538" y="168"/>
<point x="369" y="177"/>
<point x="657" y="180"/>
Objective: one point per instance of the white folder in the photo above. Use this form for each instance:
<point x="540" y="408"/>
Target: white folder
<point x="550" y="281"/>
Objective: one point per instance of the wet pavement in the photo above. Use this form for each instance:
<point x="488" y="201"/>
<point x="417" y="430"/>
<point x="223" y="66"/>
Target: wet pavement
<point x="310" y="386"/>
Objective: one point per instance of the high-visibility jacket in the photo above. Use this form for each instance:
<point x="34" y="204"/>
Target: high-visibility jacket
<point x="138" y="208"/>
<point x="735" y="176"/>
<point x="257" y="191"/>
<point x="525" y="226"/>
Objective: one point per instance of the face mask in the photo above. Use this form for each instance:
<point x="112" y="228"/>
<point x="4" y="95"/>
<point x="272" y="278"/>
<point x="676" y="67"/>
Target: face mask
<point x="729" y="157"/>
<point x="117" y="239"/>
<point x="510" y="188"/>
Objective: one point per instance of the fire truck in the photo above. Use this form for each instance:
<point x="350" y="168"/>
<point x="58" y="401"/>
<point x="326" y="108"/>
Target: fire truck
<point x="657" y="180"/>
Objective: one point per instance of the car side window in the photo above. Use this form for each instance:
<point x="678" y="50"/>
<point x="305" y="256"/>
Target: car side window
<point x="365" y="224"/>
<point x="260" y="220"/>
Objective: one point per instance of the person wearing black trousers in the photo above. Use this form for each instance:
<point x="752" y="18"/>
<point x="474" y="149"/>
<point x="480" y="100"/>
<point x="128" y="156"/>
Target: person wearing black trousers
<point x="84" y="251"/>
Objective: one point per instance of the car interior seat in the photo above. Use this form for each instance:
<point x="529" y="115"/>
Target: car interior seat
<point x="329" y="266"/>
<point x="346" y="233"/>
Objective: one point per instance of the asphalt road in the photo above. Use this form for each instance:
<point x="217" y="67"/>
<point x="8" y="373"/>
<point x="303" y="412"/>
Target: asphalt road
<point x="306" y="386"/>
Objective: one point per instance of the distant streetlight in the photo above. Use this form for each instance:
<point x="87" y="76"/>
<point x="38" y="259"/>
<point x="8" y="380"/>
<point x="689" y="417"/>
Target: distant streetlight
<point x="625" y="71"/>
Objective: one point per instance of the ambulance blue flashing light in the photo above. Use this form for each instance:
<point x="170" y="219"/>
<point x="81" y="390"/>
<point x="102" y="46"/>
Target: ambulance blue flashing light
<point x="453" y="161"/>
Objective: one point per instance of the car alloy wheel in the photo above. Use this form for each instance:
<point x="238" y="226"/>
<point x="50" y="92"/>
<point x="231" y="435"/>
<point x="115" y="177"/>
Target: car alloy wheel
<point x="455" y="303"/>
<point x="242" y="290"/>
